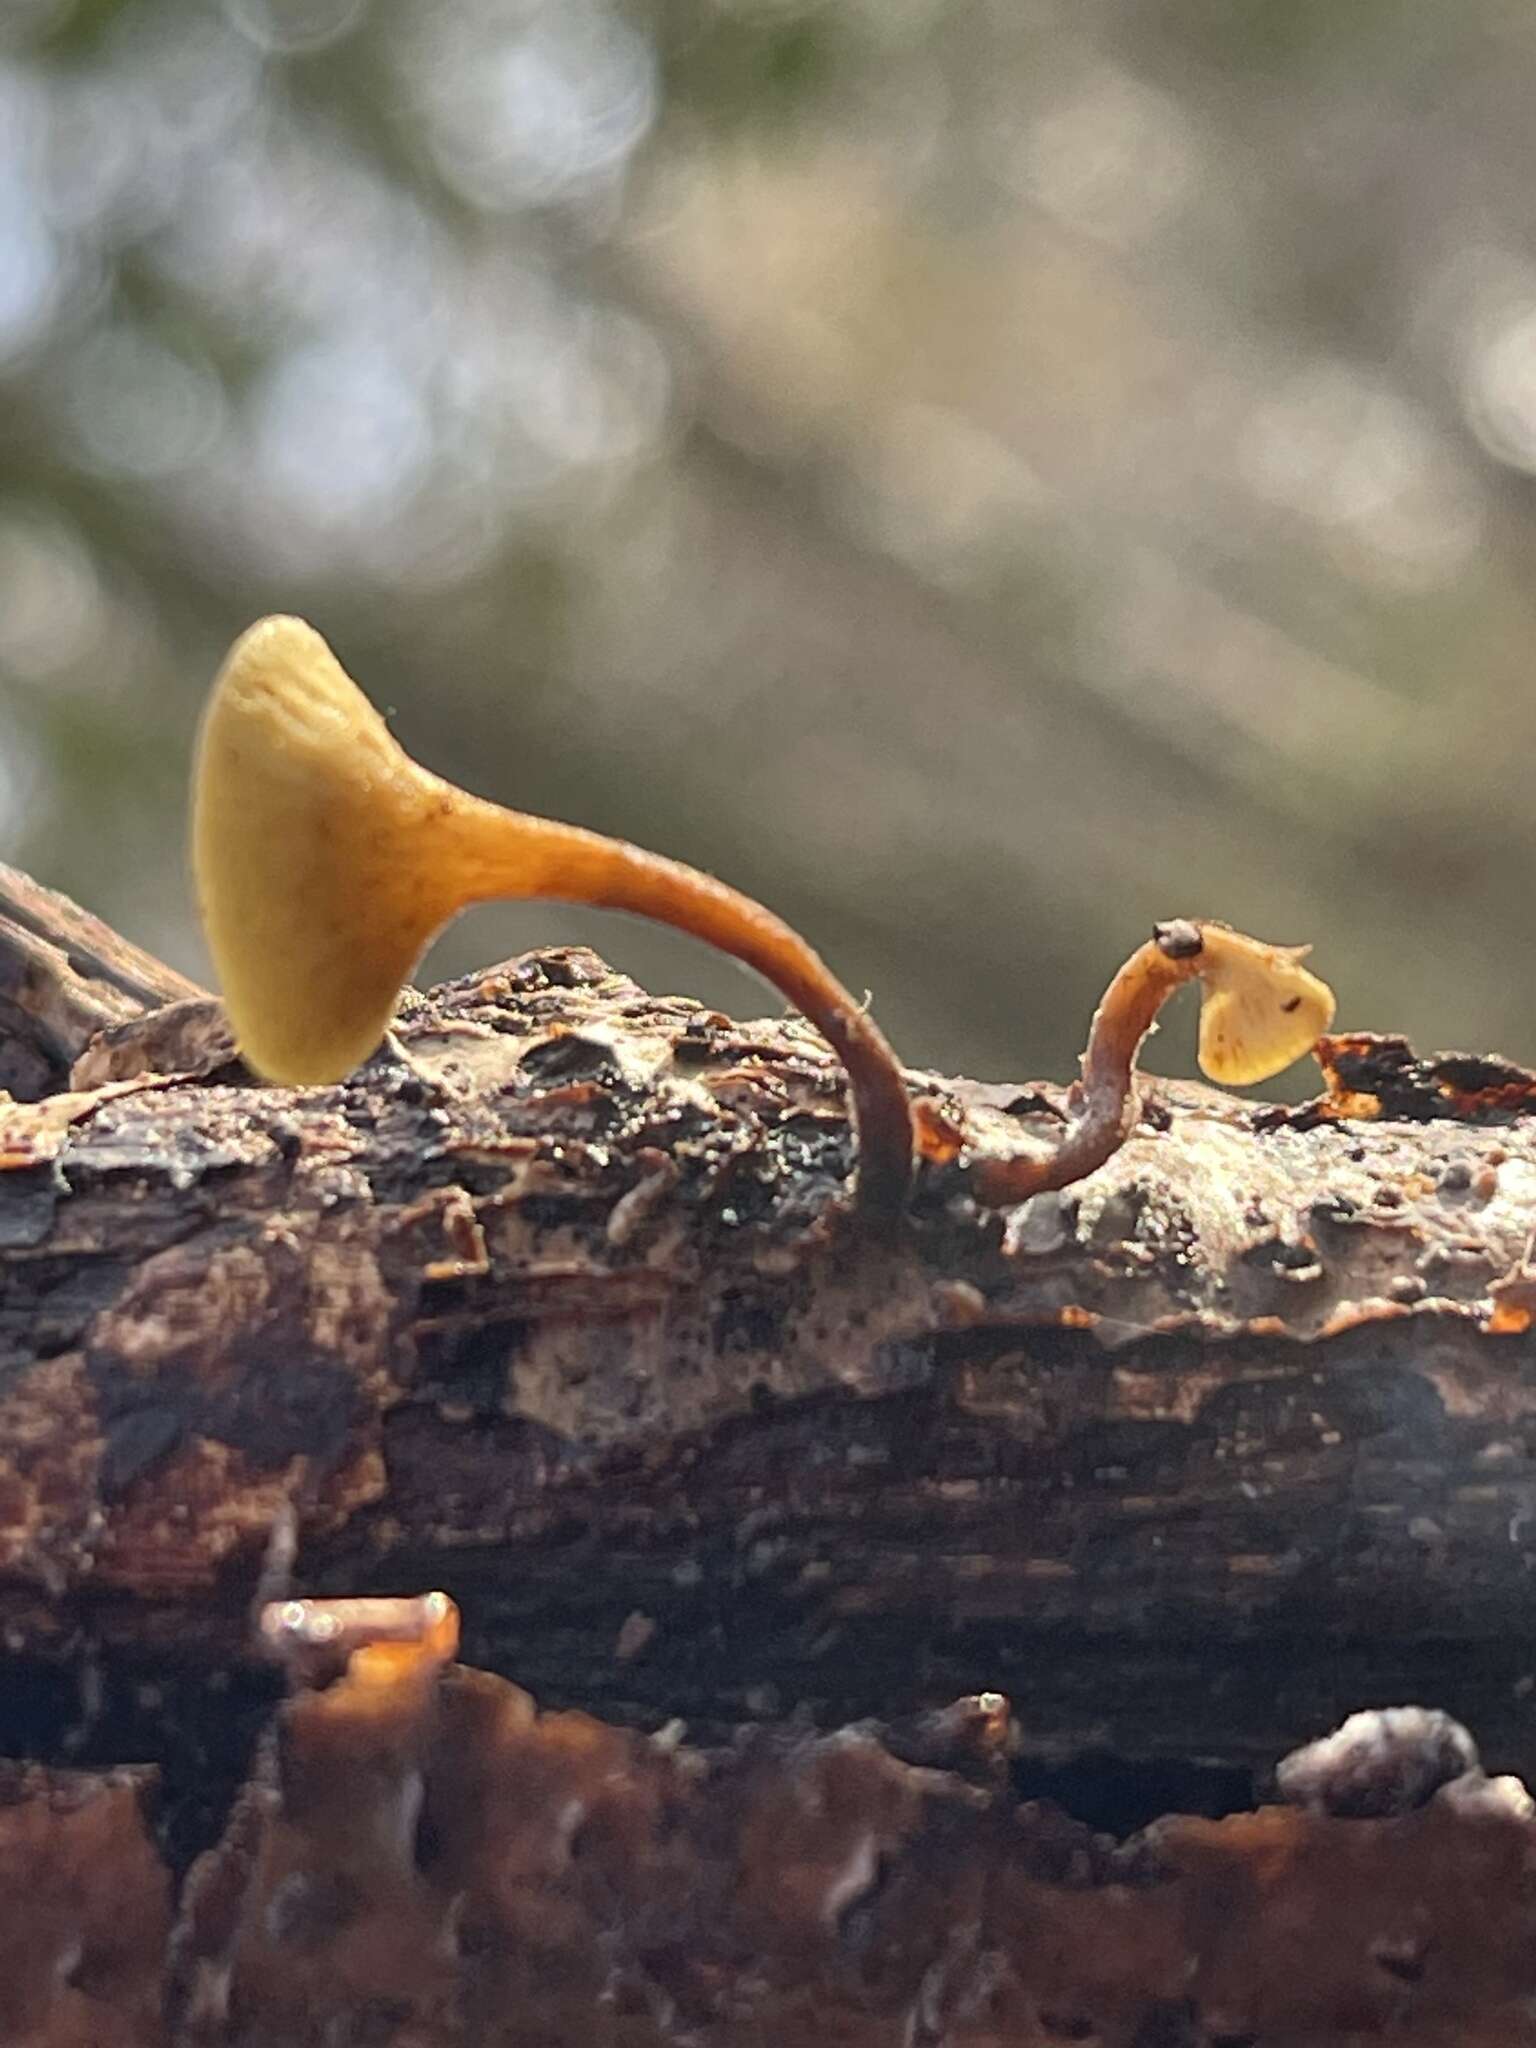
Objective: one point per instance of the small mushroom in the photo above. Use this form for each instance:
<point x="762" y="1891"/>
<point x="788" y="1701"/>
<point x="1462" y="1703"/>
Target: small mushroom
<point x="315" y="1640"/>
<point x="1260" y="1010"/>
<point x="326" y="860"/>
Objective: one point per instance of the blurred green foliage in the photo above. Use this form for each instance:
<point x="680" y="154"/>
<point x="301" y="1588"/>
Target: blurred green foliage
<point x="980" y="474"/>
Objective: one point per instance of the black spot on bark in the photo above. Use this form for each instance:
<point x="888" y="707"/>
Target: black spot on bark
<point x="136" y="1440"/>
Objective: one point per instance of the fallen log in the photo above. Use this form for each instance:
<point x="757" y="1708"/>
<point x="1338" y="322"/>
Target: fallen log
<point x="558" y="1305"/>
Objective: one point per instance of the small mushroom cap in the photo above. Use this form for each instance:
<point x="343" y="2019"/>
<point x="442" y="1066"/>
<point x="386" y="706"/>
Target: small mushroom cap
<point x="311" y="841"/>
<point x="1260" y="1009"/>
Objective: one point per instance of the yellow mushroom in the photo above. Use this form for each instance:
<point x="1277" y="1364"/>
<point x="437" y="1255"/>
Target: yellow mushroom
<point x="326" y="860"/>
<point x="1260" y="1010"/>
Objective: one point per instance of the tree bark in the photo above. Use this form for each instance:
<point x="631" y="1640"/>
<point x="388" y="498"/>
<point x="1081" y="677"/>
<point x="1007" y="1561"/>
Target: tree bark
<point x="64" y="976"/>
<point x="565" y="1312"/>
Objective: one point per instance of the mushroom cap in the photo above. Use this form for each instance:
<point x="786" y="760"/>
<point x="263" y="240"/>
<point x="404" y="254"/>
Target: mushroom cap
<point x="326" y="859"/>
<point x="312" y="836"/>
<point x="1260" y="1008"/>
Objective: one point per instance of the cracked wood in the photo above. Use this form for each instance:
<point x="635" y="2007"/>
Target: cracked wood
<point x="566" y="1315"/>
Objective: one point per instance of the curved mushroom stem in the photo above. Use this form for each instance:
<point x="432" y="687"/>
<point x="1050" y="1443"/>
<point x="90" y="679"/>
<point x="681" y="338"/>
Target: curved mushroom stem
<point x="1262" y="1010"/>
<point x="327" y="859"/>
<point x="503" y="852"/>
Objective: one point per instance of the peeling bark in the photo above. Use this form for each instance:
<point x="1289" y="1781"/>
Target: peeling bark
<point x="438" y="1854"/>
<point x="85" y="1910"/>
<point x="422" y="1858"/>
<point x="64" y="976"/>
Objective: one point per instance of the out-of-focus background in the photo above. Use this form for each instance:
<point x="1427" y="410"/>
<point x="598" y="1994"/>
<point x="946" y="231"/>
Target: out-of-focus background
<point x="979" y="474"/>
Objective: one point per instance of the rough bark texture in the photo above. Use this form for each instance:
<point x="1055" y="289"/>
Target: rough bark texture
<point x="566" y="1316"/>
<point x="422" y="1859"/>
<point x="64" y="975"/>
